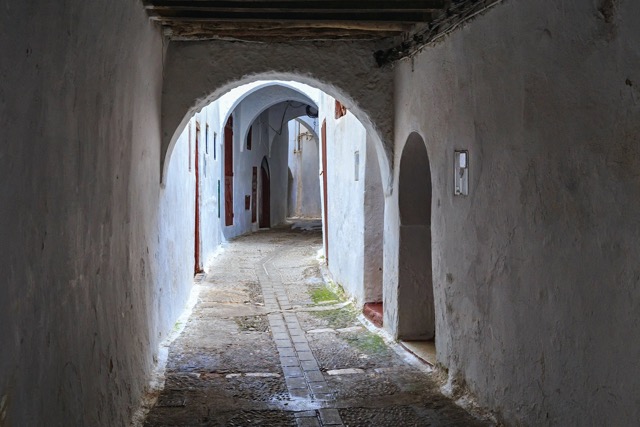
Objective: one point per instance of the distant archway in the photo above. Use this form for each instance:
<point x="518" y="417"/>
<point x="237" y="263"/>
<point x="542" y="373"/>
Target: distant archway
<point x="259" y="99"/>
<point x="416" y="310"/>
<point x="265" y="195"/>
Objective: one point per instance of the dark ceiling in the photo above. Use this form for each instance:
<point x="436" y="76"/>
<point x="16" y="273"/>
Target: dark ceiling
<point x="287" y="20"/>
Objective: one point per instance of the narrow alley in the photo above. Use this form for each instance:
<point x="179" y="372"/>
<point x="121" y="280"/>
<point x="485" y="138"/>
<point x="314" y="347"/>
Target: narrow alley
<point x="269" y="344"/>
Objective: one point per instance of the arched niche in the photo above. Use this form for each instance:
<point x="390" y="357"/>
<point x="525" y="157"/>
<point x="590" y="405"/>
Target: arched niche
<point x="416" y="310"/>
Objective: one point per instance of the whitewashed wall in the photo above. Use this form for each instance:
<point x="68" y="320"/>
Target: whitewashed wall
<point x="86" y="294"/>
<point x="304" y="164"/>
<point x="345" y="194"/>
<point x="535" y="272"/>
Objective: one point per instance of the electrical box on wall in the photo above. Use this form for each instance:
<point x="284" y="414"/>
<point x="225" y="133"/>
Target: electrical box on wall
<point x="461" y="173"/>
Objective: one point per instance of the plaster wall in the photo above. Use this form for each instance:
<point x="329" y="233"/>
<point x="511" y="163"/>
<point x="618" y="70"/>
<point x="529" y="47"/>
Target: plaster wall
<point x="86" y="293"/>
<point x="373" y="227"/>
<point x="278" y="162"/>
<point x="211" y="162"/>
<point x="345" y="194"/>
<point x="304" y="163"/>
<point x="535" y="272"/>
<point x="270" y="137"/>
<point x="243" y="162"/>
<point x="178" y="225"/>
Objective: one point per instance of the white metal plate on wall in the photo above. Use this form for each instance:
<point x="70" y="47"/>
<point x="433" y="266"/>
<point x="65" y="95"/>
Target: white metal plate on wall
<point x="461" y="173"/>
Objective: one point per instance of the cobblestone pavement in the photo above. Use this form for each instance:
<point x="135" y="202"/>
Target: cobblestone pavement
<point x="268" y="344"/>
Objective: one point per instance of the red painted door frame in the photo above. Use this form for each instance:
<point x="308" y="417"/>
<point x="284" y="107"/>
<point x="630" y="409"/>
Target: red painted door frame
<point x="324" y="190"/>
<point x="254" y="194"/>
<point x="197" y="262"/>
<point x="265" y="196"/>
<point x="228" y="172"/>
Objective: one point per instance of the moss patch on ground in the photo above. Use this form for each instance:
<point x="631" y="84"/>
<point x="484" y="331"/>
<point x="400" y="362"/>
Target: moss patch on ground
<point x="323" y="294"/>
<point x="367" y="342"/>
<point x="341" y="318"/>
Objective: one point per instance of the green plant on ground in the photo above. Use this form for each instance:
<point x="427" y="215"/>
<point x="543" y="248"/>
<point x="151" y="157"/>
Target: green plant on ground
<point x="323" y="294"/>
<point x="367" y="342"/>
<point x="341" y="318"/>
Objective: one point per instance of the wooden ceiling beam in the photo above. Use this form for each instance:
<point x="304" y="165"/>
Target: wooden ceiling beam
<point x="325" y="16"/>
<point x="284" y="34"/>
<point x="297" y="5"/>
<point x="293" y="26"/>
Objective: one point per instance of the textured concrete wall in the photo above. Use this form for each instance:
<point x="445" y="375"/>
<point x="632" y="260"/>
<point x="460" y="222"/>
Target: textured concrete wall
<point x="84" y="297"/>
<point x="535" y="272"/>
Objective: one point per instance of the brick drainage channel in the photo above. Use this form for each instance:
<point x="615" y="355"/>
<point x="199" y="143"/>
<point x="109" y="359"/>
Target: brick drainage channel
<point x="257" y="350"/>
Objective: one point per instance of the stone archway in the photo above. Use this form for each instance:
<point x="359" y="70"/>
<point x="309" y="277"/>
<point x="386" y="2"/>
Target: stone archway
<point x="416" y="309"/>
<point x="198" y="73"/>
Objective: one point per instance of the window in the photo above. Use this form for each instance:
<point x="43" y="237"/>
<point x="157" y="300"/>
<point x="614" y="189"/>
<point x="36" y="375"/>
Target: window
<point x="215" y="144"/>
<point x="249" y="137"/>
<point x="206" y="140"/>
<point x="341" y="110"/>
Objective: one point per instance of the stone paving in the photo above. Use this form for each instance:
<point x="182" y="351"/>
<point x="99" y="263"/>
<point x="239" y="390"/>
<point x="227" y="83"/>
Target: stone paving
<point x="267" y="344"/>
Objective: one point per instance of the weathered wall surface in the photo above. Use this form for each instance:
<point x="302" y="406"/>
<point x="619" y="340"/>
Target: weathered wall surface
<point x="373" y="227"/>
<point x="279" y="115"/>
<point x="82" y="306"/>
<point x="304" y="164"/>
<point x="535" y="272"/>
<point x="345" y="195"/>
<point x="211" y="162"/>
<point x="269" y="139"/>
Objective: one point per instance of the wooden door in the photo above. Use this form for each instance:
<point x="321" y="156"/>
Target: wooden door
<point x="228" y="172"/>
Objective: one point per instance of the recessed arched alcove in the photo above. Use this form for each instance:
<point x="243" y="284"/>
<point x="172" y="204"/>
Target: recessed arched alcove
<point x="416" y="311"/>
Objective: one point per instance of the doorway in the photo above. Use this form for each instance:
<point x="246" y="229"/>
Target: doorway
<point x="416" y="309"/>
<point x="265" y="195"/>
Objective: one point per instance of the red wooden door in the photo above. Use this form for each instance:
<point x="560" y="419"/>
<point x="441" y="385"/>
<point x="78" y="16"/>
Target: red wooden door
<point x="228" y="172"/>
<point x="324" y="190"/>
